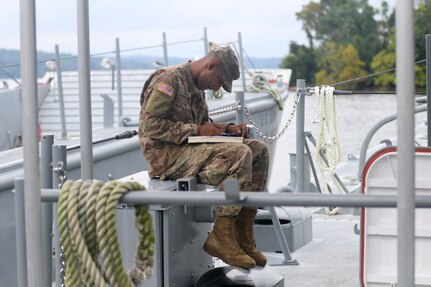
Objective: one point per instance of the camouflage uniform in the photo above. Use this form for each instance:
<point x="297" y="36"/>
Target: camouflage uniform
<point x="172" y="108"/>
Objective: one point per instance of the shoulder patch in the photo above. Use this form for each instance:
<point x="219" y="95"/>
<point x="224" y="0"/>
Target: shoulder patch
<point x="165" y="88"/>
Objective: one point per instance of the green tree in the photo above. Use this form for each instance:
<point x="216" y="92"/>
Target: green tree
<point x="350" y="22"/>
<point x="422" y="28"/>
<point x="302" y="62"/>
<point x="386" y="58"/>
<point x="340" y="63"/>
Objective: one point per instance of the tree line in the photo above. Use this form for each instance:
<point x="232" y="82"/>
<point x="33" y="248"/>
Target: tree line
<point x="350" y="39"/>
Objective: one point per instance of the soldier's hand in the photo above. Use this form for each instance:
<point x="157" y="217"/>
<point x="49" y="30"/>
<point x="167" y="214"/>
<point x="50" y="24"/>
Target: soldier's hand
<point x="209" y="129"/>
<point x="240" y="130"/>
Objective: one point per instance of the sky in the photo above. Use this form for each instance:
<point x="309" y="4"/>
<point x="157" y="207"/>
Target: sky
<point x="267" y="27"/>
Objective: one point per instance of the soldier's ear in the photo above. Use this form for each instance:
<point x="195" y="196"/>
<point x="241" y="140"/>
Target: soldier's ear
<point x="212" y="65"/>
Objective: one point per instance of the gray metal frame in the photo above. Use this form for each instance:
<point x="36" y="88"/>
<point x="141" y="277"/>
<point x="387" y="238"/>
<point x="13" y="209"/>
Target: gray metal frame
<point x="405" y="72"/>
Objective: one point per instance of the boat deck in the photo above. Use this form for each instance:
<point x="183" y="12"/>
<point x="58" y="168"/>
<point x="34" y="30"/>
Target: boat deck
<point x="330" y="259"/>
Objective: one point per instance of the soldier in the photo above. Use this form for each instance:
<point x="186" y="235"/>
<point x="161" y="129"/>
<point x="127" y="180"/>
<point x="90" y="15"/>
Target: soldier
<point x="173" y="107"/>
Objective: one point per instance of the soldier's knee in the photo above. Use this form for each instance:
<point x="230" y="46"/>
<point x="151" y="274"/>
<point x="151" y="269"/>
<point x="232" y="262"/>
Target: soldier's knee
<point x="262" y="149"/>
<point x="246" y="152"/>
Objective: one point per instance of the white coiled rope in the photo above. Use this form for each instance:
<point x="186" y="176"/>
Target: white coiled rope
<point x="327" y="142"/>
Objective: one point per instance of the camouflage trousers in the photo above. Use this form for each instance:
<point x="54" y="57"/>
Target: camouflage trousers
<point x="212" y="163"/>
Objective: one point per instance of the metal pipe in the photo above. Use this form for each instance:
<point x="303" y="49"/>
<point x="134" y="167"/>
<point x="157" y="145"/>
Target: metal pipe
<point x="405" y="74"/>
<point x="60" y="92"/>
<point x="33" y="220"/>
<point x="428" y="75"/>
<point x="46" y="182"/>
<point x="119" y="87"/>
<point x="205" y="41"/>
<point x="280" y="235"/>
<point x="300" y="119"/>
<point x="85" y="123"/>
<point x="206" y="51"/>
<point x="201" y="198"/>
<point x="372" y="132"/>
<point x="240" y="116"/>
<point x="241" y="59"/>
<point x="165" y="49"/>
<point x="20" y="233"/>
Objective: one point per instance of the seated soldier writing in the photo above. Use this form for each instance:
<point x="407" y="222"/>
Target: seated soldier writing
<point x="173" y="107"/>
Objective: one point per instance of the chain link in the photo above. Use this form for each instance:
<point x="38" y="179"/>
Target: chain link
<point x="236" y="107"/>
<point x="60" y="169"/>
<point x="224" y="110"/>
<point x="286" y="126"/>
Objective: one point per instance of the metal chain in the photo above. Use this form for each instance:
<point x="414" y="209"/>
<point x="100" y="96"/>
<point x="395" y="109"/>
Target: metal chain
<point x="224" y="110"/>
<point x="286" y="126"/>
<point x="253" y="124"/>
<point x="60" y="169"/>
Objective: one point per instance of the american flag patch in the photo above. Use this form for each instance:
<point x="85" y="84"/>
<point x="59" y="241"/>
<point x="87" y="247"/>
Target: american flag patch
<point x="165" y="88"/>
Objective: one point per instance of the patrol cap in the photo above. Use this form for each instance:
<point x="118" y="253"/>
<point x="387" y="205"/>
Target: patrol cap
<point x="229" y="63"/>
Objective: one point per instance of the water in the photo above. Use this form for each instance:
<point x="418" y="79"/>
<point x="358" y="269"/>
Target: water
<point x="356" y="114"/>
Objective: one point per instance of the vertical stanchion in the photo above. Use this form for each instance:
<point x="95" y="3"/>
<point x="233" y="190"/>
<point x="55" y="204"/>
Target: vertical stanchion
<point x="59" y="164"/>
<point x="119" y="87"/>
<point x="20" y="233"/>
<point x="241" y="64"/>
<point x="205" y="41"/>
<point x="240" y="103"/>
<point x="165" y="49"/>
<point x="405" y="75"/>
<point x="85" y="123"/>
<point x="206" y="51"/>
<point x="281" y="238"/>
<point x="60" y="92"/>
<point x="300" y="118"/>
<point x="428" y="75"/>
<point x="33" y="213"/>
<point x="46" y="182"/>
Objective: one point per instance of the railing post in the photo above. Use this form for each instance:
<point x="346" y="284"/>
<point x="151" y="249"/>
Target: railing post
<point x="60" y="92"/>
<point x="21" y="254"/>
<point x="108" y="111"/>
<point x="33" y="213"/>
<point x="46" y="182"/>
<point x="119" y="87"/>
<point x="240" y="103"/>
<point x="300" y="118"/>
<point x="428" y="75"/>
<point x="59" y="160"/>
<point x="405" y="74"/>
<point x="85" y="123"/>
<point x="165" y="49"/>
<point x="205" y="41"/>
<point x="241" y="64"/>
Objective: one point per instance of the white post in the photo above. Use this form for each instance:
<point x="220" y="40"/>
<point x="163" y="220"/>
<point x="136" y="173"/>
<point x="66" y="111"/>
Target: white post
<point x="33" y="214"/>
<point x="405" y="151"/>
<point x="85" y="122"/>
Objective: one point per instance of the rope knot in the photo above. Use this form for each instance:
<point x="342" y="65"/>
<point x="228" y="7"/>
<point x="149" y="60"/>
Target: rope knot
<point x="88" y="233"/>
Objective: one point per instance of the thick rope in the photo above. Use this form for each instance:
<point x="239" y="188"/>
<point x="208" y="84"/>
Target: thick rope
<point x="89" y="235"/>
<point x="260" y="84"/>
<point x="327" y="145"/>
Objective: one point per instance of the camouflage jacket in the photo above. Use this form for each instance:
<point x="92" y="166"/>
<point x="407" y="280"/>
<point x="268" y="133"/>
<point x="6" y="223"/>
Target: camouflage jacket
<point x="172" y="108"/>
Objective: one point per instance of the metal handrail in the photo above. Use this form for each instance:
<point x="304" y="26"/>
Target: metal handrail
<point x="372" y="132"/>
<point x="256" y="199"/>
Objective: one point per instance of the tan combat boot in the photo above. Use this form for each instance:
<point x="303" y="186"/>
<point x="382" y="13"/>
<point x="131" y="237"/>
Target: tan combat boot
<point x="221" y="243"/>
<point x="244" y="234"/>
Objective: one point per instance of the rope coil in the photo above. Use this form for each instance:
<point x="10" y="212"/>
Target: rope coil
<point x="327" y="142"/>
<point x="86" y="219"/>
